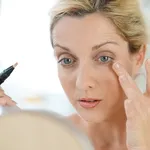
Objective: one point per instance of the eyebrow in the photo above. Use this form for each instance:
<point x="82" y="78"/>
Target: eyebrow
<point x="96" y="47"/>
<point x="63" y="47"/>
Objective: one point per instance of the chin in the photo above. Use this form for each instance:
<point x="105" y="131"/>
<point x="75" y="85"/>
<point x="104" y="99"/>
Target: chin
<point x="93" y="116"/>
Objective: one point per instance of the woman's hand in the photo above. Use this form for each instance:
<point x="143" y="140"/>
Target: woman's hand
<point x="5" y="100"/>
<point x="137" y="108"/>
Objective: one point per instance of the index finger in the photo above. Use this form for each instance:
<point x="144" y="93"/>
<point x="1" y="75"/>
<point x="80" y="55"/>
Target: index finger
<point x="128" y="85"/>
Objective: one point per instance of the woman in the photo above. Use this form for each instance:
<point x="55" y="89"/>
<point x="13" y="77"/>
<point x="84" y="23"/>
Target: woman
<point x="100" y="46"/>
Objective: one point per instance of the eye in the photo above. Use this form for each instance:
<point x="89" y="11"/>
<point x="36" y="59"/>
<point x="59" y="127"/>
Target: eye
<point x="105" y="59"/>
<point x="66" y="61"/>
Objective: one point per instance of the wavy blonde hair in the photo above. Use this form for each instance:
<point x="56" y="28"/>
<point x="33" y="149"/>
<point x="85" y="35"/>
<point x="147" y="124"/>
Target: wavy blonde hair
<point x="125" y="15"/>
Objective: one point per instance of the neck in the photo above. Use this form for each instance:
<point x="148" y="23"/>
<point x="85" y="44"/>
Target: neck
<point x="109" y="133"/>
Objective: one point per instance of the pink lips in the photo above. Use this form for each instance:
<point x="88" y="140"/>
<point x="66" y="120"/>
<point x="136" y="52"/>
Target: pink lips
<point x="89" y="102"/>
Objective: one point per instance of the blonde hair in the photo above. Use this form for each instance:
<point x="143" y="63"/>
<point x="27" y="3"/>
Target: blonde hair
<point x="125" y="15"/>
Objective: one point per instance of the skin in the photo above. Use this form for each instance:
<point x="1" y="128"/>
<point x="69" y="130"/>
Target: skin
<point x="137" y="108"/>
<point x="87" y="73"/>
<point x="5" y="100"/>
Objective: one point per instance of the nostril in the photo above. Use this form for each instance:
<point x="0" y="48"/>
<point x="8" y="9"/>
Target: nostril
<point x="90" y="87"/>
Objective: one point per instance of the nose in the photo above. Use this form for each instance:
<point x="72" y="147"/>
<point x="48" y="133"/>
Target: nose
<point x="85" y="79"/>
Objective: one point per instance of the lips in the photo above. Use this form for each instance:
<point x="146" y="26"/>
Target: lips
<point x="89" y="102"/>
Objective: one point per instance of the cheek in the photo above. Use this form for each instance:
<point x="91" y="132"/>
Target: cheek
<point x="113" y="90"/>
<point x="110" y="80"/>
<point x="110" y="85"/>
<point x="63" y="78"/>
<point x="67" y="82"/>
<point x="128" y="65"/>
<point x="113" y="87"/>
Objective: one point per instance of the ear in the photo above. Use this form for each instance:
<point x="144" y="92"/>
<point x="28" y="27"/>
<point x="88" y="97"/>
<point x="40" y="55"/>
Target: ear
<point x="141" y="55"/>
<point x="139" y="59"/>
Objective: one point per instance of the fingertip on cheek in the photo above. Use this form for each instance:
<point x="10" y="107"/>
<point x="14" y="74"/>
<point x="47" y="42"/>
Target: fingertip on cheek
<point x="116" y="67"/>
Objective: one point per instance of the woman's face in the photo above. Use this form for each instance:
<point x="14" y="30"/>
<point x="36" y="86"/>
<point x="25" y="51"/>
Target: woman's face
<point x="85" y="49"/>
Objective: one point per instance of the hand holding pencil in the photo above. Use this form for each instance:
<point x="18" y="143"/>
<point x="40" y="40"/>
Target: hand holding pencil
<point x="5" y="100"/>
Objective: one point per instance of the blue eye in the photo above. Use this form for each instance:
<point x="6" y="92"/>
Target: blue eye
<point x="66" y="61"/>
<point x="105" y="59"/>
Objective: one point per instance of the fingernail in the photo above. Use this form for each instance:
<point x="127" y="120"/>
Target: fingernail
<point x="117" y="65"/>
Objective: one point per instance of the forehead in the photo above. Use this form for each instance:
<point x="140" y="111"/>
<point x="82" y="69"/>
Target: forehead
<point x="90" y="29"/>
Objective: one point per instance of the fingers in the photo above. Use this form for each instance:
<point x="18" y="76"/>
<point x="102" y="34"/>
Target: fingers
<point x="129" y="109"/>
<point x="128" y="85"/>
<point x="134" y="109"/>
<point x="147" y="66"/>
<point x="5" y="100"/>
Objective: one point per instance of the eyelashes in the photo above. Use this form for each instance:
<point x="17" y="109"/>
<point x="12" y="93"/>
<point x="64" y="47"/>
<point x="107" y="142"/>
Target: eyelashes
<point x="105" y="59"/>
<point x="69" y="61"/>
<point x="66" y="61"/>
